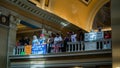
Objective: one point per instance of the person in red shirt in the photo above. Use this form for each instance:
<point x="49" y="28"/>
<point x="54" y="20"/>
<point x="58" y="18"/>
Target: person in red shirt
<point x="107" y="35"/>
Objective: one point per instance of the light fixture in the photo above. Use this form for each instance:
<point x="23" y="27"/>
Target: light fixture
<point x="63" y="23"/>
<point x="117" y="67"/>
<point x="78" y="67"/>
<point x="86" y="1"/>
<point x="0" y="12"/>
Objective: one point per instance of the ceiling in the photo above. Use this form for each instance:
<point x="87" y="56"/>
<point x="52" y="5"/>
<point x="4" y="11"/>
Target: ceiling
<point x="62" y="15"/>
<point x="26" y="29"/>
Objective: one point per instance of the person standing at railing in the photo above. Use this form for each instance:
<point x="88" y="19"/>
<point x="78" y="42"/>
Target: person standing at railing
<point x="100" y="37"/>
<point x="80" y="36"/>
<point x="35" y="44"/>
<point x="50" y="42"/>
<point x="35" y="40"/>
<point x="57" y="43"/>
<point x="73" y="37"/>
<point x="43" y="46"/>
<point x="42" y="39"/>
<point x="66" y="39"/>
<point x="81" y="39"/>
<point x="21" y="41"/>
<point x="107" y="35"/>
<point x="26" y="41"/>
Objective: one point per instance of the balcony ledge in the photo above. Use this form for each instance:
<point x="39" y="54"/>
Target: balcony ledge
<point x="62" y="54"/>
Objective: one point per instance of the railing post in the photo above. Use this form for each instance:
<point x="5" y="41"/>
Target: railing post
<point x="79" y="47"/>
<point x="14" y="51"/>
<point x="81" y="42"/>
<point x="98" y="45"/>
<point x="103" y="44"/>
<point x="110" y="44"/>
<point x="68" y="47"/>
<point x="72" y="47"/>
<point x="76" y="47"/>
<point x="17" y="50"/>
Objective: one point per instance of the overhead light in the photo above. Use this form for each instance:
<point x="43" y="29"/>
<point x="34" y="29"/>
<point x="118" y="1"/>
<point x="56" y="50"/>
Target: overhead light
<point x="77" y="67"/>
<point x="0" y="12"/>
<point x="117" y="67"/>
<point x="63" y="23"/>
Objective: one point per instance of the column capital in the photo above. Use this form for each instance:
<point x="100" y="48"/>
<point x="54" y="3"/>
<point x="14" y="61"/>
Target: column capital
<point x="13" y="21"/>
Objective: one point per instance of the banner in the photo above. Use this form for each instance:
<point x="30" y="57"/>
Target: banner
<point x="28" y="49"/>
<point x="39" y="49"/>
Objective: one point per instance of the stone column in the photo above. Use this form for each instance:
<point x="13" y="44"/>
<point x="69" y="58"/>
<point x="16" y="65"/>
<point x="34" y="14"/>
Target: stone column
<point x="12" y="34"/>
<point x="115" y="22"/>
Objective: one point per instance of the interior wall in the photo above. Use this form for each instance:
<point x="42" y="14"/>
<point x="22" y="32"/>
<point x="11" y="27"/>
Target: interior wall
<point x="115" y="19"/>
<point x="3" y="46"/>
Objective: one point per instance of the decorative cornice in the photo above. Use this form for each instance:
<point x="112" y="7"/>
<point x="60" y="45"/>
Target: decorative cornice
<point x="33" y="9"/>
<point x="25" y="5"/>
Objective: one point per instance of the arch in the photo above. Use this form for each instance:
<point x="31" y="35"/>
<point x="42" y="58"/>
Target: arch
<point x="94" y="12"/>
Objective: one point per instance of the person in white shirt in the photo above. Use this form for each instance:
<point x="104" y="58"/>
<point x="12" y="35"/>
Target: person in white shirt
<point x="57" y="42"/>
<point x="35" y="40"/>
<point x="73" y="37"/>
<point x="57" y="39"/>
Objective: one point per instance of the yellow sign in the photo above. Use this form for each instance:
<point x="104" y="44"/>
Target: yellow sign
<point x="28" y="49"/>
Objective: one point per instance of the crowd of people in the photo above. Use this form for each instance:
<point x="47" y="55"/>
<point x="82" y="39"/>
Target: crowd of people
<point x="59" y="43"/>
<point x="23" y="41"/>
<point x="56" y="42"/>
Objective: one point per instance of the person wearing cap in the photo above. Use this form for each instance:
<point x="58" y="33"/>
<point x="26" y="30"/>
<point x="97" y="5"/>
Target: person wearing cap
<point x="42" y="47"/>
<point x="42" y="39"/>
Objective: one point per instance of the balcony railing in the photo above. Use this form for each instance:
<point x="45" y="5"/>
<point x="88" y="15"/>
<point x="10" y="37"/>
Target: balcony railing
<point x="76" y="46"/>
<point x="85" y="46"/>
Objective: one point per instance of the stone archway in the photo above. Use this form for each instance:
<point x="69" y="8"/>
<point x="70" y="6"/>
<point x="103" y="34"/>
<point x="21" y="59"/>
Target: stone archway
<point x="94" y="12"/>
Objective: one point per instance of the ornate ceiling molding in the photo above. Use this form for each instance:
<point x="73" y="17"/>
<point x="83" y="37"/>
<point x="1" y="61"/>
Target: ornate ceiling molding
<point x="33" y="9"/>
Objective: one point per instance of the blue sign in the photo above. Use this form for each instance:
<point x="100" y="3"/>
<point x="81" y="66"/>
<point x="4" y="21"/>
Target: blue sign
<point x="40" y="49"/>
<point x="92" y="36"/>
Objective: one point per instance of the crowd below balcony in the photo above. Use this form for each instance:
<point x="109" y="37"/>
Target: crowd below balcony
<point x="56" y="43"/>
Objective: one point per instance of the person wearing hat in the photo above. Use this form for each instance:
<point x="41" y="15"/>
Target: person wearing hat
<point x="42" y="39"/>
<point x="42" y="47"/>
